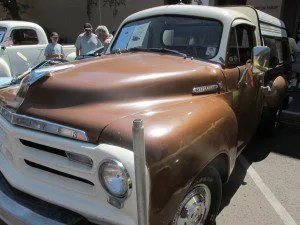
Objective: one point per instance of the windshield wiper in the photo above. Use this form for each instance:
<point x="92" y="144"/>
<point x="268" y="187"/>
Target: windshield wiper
<point x="118" y="50"/>
<point x="158" y="50"/>
<point x="167" y="50"/>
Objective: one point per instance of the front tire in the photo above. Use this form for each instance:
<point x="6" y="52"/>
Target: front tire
<point x="201" y="204"/>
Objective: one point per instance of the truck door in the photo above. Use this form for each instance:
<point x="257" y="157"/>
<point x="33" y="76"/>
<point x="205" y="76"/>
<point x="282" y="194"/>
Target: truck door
<point x="248" y="98"/>
<point x="25" y="50"/>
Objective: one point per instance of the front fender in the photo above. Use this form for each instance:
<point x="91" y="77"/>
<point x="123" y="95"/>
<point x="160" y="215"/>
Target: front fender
<point x="180" y="141"/>
<point x="4" y="69"/>
<point x="275" y="96"/>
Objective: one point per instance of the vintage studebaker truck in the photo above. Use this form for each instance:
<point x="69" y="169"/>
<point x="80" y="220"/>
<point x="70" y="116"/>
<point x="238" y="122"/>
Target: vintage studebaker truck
<point x="22" y="45"/>
<point x="147" y="133"/>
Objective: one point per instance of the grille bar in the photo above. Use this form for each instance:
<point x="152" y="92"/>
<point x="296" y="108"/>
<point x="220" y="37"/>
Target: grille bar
<point x="59" y="173"/>
<point x="44" y="148"/>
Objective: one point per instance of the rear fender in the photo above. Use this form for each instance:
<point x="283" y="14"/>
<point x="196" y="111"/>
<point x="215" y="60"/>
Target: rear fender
<point x="276" y="94"/>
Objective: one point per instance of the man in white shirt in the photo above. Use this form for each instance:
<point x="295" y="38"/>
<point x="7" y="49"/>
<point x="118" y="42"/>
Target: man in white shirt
<point x="87" y="41"/>
<point x="104" y="36"/>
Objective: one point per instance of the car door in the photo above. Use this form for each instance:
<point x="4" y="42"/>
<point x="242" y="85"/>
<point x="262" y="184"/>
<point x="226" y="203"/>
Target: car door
<point x="247" y="91"/>
<point x="25" y="50"/>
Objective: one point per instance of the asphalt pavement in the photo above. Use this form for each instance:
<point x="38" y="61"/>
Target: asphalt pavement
<point x="264" y="188"/>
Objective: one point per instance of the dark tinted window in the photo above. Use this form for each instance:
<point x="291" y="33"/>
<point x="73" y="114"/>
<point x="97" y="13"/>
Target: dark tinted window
<point x="241" y="42"/>
<point x="24" y="37"/>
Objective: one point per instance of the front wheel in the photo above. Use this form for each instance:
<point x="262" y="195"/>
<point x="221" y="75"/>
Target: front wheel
<point x="201" y="204"/>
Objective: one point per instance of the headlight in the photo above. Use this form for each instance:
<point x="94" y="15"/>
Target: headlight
<point x="114" y="178"/>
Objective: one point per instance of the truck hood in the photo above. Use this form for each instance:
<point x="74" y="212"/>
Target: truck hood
<point x="96" y="92"/>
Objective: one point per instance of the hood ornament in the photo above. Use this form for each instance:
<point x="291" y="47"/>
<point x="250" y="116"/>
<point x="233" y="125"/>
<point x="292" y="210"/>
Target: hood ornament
<point x="37" y="74"/>
<point x="32" y="78"/>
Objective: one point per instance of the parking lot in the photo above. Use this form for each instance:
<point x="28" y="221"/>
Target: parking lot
<point x="264" y="187"/>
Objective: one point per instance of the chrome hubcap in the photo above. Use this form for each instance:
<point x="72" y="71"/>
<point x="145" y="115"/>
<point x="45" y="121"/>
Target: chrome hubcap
<point x="195" y="207"/>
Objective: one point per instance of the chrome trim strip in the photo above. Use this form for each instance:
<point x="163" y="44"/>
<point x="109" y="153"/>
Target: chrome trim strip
<point x="37" y="74"/>
<point x="42" y="125"/>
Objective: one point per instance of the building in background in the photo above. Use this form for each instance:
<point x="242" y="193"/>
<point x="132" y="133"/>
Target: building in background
<point x="68" y="16"/>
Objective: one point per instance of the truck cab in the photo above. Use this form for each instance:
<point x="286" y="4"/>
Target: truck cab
<point x="146" y="133"/>
<point x="22" y="46"/>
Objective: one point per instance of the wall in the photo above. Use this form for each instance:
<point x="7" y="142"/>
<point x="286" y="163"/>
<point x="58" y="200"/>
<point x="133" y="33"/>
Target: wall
<point x="68" y="16"/>
<point x="272" y="7"/>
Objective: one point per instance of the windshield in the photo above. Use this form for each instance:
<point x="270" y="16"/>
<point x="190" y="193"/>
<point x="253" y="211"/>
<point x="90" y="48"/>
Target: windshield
<point x="2" y="33"/>
<point x="195" y="37"/>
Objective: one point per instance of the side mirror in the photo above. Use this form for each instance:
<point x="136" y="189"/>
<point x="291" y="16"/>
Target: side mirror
<point x="261" y="58"/>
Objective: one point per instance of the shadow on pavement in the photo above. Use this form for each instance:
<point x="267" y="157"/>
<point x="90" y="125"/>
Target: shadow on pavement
<point x="286" y="142"/>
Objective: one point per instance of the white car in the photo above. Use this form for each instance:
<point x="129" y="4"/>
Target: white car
<point x="22" y="45"/>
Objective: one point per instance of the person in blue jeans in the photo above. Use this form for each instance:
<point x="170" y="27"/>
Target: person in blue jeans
<point x="53" y="49"/>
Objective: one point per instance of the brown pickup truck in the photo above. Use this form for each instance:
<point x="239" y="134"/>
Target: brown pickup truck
<point x="197" y="78"/>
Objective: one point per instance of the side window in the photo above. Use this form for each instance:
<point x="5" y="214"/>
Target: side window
<point x="24" y="37"/>
<point x="279" y="50"/>
<point x="241" y="42"/>
<point x="270" y="42"/>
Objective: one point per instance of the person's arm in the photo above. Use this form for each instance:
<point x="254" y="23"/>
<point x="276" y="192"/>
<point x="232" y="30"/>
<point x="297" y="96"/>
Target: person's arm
<point x="62" y="52"/>
<point x="52" y="56"/>
<point x="47" y="53"/>
<point x="78" y="46"/>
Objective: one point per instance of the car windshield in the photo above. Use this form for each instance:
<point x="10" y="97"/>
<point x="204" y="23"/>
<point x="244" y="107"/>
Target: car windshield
<point x="195" y="37"/>
<point x="2" y="33"/>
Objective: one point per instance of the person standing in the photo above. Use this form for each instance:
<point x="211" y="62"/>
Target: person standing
<point x="54" y="50"/>
<point x="104" y="36"/>
<point x="87" y="41"/>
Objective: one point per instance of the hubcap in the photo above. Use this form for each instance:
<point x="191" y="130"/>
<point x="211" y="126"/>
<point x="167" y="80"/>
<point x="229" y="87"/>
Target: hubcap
<point x="195" y="207"/>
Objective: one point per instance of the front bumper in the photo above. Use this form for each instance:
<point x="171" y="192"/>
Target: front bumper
<point x="17" y="208"/>
<point x="87" y="199"/>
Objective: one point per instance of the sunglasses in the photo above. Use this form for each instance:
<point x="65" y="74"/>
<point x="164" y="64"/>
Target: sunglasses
<point x="88" y="29"/>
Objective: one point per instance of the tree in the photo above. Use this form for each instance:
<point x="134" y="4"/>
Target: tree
<point x="171" y="2"/>
<point x="14" y="8"/>
<point x="89" y="5"/>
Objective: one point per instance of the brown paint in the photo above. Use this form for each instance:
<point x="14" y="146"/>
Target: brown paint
<point x="183" y="132"/>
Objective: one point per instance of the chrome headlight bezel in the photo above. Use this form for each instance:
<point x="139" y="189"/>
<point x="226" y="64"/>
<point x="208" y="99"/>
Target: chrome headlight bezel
<point x="124" y="171"/>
